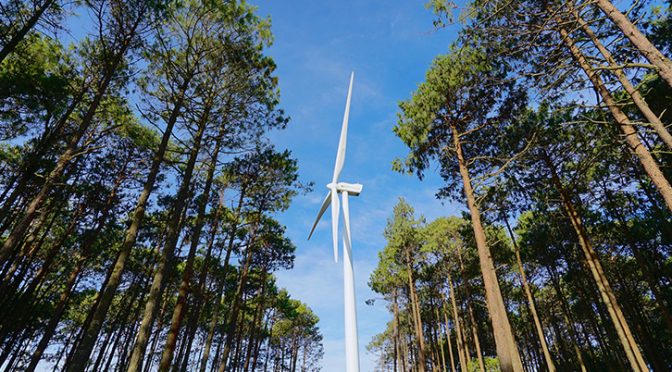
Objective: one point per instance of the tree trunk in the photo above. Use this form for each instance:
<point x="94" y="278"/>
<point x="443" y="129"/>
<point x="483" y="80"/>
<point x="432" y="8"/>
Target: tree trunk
<point x="629" y="131"/>
<point x="415" y="310"/>
<point x="256" y="324"/>
<point x="184" y="289"/>
<point x="637" y="98"/>
<point x="507" y="351"/>
<point x="463" y="356"/>
<point x="23" y="31"/>
<point x="439" y="345"/>
<point x="568" y="320"/>
<point x="74" y="275"/>
<point x="530" y="300"/>
<point x="55" y="317"/>
<point x="220" y="297"/>
<point x="235" y="309"/>
<point x="450" y="343"/>
<point x="648" y="50"/>
<point x="23" y="224"/>
<point x="624" y="334"/>
<point x="194" y="317"/>
<point x="109" y="289"/>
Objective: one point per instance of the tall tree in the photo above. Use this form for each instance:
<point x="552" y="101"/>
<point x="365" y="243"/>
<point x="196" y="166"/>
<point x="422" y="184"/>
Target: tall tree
<point x="462" y="98"/>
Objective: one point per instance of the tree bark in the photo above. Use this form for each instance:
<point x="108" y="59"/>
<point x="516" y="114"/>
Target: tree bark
<point x="530" y="300"/>
<point x="631" y="137"/>
<point x="23" y="31"/>
<point x="107" y="294"/>
<point x="23" y="224"/>
<point x="450" y="343"/>
<point x="220" y="298"/>
<point x="415" y="310"/>
<point x="637" y="38"/>
<point x="507" y="350"/>
<point x="461" y="351"/>
<point x="568" y="320"/>
<point x="609" y="299"/>
<point x="184" y="289"/>
<point x="235" y="309"/>
<point x="637" y="98"/>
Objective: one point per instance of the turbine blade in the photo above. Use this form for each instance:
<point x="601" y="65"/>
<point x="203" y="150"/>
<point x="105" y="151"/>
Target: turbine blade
<point x="323" y="208"/>
<point x="340" y="155"/>
<point x="334" y="221"/>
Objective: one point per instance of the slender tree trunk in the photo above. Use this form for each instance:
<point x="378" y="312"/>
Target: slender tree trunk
<point x="439" y="345"/>
<point x="23" y="224"/>
<point x="568" y="320"/>
<point x="637" y="98"/>
<point x="107" y="294"/>
<point x="415" y="310"/>
<point x="622" y="329"/>
<point x="507" y="350"/>
<point x="32" y="159"/>
<point x="211" y="331"/>
<point x="220" y="297"/>
<point x="184" y="289"/>
<point x="631" y="137"/>
<point x="102" y="352"/>
<point x="450" y="343"/>
<point x="55" y="317"/>
<point x="637" y="38"/>
<point x="477" y="341"/>
<point x="395" y="329"/>
<point x="256" y="323"/>
<point x="530" y="300"/>
<point x="463" y="356"/>
<point x="200" y="297"/>
<point x="23" y="31"/>
<point x="235" y="309"/>
<point x="74" y="275"/>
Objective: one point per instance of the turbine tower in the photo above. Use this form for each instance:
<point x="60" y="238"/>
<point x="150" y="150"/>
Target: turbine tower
<point x="345" y="189"/>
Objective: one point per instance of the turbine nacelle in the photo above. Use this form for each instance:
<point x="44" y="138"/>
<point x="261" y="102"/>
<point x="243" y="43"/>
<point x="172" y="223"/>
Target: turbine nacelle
<point x="353" y="189"/>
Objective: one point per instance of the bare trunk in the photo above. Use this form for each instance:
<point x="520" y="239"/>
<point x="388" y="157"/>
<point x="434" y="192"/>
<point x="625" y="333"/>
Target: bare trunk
<point x="530" y="300"/>
<point x="171" y="243"/>
<point x="184" y="289"/>
<point x="450" y="343"/>
<point x="507" y="350"/>
<point x="648" y="50"/>
<point x="461" y="351"/>
<point x="23" y="31"/>
<point x="415" y="310"/>
<point x="568" y="320"/>
<point x="55" y="174"/>
<point x="220" y="298"/>
<point x="235" y="309"/>
<point x="622" y="329"/>
<point x="55" y="317"/>
<point x="637" y="98"/>
<point x="107" y="293"/>
<point x="631" y="137"/>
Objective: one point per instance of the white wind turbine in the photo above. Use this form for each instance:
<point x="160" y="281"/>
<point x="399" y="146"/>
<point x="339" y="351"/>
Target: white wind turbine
<point x="346" y="189"/>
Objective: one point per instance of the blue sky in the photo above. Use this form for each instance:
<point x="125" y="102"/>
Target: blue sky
<point x="389" y="44"/>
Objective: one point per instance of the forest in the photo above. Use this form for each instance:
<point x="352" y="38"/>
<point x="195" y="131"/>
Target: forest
<point x="549" y="121"/>
<point x="139" y="191"/>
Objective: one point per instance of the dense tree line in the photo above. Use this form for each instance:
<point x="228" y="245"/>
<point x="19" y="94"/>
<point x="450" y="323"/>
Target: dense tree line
<point x="549" y="121"/>
<point x="138" y="191"/>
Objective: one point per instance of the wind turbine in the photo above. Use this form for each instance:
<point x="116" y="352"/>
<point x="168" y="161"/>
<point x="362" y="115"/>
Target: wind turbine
<point x="345" y="189"/>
